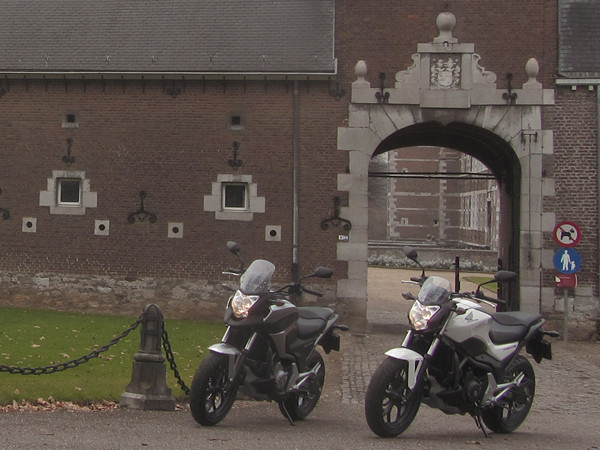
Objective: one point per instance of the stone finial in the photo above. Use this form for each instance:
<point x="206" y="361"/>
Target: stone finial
<point x="360" y="70"/>
<point x="532" y="68"/>
<point x="445" y="22"/>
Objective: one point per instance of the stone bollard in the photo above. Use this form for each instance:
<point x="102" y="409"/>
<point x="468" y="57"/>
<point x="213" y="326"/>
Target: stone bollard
<point x="148" y="388"/>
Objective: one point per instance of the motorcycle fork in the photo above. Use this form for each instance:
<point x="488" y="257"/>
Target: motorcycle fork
<point x="236" y="363"/>
<point x="424" y="365"/>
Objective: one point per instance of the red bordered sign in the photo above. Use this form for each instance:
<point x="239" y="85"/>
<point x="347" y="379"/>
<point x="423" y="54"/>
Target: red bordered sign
<point x="567" y="234"/>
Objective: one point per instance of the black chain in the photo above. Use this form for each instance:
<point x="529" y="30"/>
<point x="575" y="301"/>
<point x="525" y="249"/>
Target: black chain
<point x="171" y="358"/>
<point x="73" y="363"/>
<point x="94" y="354"/>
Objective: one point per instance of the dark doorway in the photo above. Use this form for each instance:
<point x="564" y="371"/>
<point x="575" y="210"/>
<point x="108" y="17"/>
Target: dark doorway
<point x="498" y="156"/>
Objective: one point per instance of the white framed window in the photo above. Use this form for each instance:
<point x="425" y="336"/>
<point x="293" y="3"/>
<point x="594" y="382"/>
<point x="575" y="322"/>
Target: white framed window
<point x="68" y="192"/>
<point x="234" y="197"/>
<point x="70" y="121"/>
<point x="236" y="122"/>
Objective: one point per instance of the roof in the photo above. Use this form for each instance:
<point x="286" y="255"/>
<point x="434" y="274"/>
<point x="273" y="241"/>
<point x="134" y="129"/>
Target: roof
<point x="167" y="36"/>
<point x="578" y="31"/>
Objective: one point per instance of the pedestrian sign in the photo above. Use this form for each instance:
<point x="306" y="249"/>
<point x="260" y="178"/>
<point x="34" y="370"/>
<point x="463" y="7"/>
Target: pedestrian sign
<point x="567" y="260"/>
<point x="567" y="234"/>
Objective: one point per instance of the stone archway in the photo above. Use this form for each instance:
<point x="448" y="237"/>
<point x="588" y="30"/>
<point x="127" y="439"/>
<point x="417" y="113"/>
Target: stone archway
<point x="446" y="98"/>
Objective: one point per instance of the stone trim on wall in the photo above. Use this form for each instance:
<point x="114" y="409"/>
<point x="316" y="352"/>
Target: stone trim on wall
<point x="472" y="98"/>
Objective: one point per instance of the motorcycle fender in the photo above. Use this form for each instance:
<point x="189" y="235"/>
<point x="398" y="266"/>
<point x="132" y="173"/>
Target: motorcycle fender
<point x="413" y="359"/>
<point x="230" y="351"/>
<point x="225" y="349"/>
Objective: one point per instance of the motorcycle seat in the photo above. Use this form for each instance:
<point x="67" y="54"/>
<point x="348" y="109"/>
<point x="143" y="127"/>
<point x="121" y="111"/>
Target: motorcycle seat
<point x="511" y="326"/>
<point x="312" y="320"/>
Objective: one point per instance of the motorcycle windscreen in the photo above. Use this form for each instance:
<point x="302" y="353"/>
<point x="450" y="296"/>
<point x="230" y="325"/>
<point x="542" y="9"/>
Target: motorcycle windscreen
<point x="435" y="291"/>
<point x="257" y="278"/>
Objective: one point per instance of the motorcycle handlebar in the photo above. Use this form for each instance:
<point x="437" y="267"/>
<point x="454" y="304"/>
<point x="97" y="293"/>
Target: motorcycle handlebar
<point x="481" y="296"/>
<point x="310" y="291"/>
<point x="297" y="288"/>
<point x="490" y="299"/>
<point x="236" y="272"/>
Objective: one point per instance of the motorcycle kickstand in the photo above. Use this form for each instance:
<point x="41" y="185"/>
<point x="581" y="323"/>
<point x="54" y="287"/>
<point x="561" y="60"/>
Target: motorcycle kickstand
<point x="479" y="422"/>
<point x="287" y="414"/>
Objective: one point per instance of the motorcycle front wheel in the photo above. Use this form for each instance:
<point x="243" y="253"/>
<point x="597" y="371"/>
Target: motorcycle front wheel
<point x="390" y="406"/>
<point x="300" y="404"/>
<point x="210" y="401"/>
<point x="509" y="416"/>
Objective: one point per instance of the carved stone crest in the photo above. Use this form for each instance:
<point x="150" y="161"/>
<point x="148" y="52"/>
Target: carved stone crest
<point x="445" y="72"/>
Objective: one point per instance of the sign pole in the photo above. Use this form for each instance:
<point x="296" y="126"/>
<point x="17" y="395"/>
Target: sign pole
<point x="566" y="315"/>
<point x="567" y="261"/>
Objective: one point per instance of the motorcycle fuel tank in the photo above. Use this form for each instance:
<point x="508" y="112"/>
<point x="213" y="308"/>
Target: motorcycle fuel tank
<point x="475" y="324"/>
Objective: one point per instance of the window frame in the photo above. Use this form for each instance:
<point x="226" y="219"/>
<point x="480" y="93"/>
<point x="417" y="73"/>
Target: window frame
<point x="51" y="196"/>
<point x="59" y="192"/>
<point x="224" y="196"/>
<point x="215" y="200"/>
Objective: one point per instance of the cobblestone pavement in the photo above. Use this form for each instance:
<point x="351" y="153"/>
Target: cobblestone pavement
<point x="568" y="384"/>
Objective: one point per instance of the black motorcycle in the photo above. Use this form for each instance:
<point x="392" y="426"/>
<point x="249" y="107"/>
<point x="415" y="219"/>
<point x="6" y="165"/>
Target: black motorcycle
<point x="269" y="350"/>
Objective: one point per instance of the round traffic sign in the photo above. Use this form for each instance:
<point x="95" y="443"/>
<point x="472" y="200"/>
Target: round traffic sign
<point x="567" y="260"/>
<point x="567" y="234"/>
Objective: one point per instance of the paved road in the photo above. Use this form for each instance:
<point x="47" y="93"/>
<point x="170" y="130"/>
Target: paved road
<point x="564" y="414"/>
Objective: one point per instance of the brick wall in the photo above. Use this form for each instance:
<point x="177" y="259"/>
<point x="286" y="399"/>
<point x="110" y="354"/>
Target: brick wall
<point x="134" y="136"/>
<point x="386" y="33"/>
<point x="575" y="169"/>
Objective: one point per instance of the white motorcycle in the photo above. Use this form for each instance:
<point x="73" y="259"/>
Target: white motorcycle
<point x="460" y="357"/>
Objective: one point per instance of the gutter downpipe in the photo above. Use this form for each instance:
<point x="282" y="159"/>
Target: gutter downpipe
<point x="598" y="175"/>
<point x="296" y="179"/>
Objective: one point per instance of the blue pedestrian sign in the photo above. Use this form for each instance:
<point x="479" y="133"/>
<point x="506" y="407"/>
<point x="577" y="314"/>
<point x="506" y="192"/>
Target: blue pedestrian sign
<point x="567" y="260"/>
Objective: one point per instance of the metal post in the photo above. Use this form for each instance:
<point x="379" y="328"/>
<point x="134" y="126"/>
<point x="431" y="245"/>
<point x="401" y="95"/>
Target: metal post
<point x="457" y="274"/>
<point x="148" y="388"/>
<point x="566" y="315"/>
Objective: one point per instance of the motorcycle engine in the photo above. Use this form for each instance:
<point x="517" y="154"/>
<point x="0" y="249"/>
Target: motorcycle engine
<point x="474" y="388"/>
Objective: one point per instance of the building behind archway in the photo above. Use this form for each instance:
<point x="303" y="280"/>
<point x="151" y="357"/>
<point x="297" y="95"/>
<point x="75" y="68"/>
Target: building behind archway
<point x="246" y="121"/>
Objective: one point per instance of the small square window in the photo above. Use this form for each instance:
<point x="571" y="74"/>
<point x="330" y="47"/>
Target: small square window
<point x="69" y="191"/>
<point x="70" y="121"/>
<point x="235" y="196"/>
<point x="236" y="122"/>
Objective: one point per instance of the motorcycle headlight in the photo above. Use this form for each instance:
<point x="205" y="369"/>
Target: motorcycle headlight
<point x="241" y="304"/>
<point x="420" y="315"/>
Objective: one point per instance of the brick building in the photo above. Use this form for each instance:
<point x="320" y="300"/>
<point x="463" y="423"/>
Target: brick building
<point x="139" y="137"/>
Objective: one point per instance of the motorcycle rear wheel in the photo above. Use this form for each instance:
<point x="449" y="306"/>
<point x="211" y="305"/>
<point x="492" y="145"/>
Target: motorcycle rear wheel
<point x="300" y="405"/>
<point x="501" y="419"/>
<point x="209" y="401"/>
<point x="390" y="406"/>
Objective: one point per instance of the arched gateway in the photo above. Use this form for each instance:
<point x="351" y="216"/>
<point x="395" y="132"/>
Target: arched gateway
<point x="447" y="99"/>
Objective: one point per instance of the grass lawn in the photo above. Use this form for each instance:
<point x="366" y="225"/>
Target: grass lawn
<point x="35" y="338"/>
<point x="478" y="280"/>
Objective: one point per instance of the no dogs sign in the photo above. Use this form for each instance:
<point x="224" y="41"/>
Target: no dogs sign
<point x="567" y="234"/>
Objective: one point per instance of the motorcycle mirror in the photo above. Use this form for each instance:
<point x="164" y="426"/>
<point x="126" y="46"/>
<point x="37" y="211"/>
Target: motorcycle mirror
<point x="504" y="275"/>
<point x="233" y="247"/>
<point x="410" y="252"/>
<point x="323" y="272"/>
